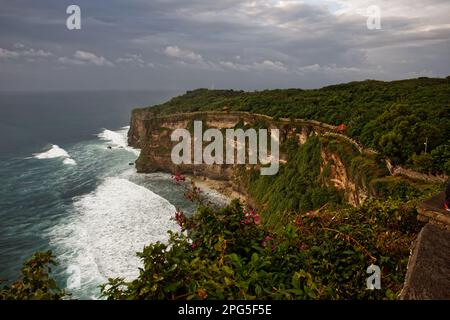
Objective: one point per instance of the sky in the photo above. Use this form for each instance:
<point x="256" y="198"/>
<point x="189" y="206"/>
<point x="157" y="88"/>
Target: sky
<point x="237" y="44"/>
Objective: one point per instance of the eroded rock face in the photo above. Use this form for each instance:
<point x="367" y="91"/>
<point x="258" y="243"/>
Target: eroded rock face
<point x="429" y="266"/>
<point x="137" y="132"/>
<point x="151" y="134"/>
<point x="341" y="180"/>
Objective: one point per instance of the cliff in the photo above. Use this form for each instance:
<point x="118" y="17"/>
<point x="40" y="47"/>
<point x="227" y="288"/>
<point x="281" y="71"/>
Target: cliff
<point x="151" y="133"/>
<point x="326" y="160"/>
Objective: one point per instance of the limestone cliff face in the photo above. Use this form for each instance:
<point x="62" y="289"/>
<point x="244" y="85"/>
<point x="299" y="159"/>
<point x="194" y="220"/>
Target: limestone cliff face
<point x="151" y="133"/>
<point x="355" y="194"/>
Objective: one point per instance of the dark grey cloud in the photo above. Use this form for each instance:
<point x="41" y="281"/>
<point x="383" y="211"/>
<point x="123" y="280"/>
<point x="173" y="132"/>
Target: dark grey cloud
<point x="183" y="44"/>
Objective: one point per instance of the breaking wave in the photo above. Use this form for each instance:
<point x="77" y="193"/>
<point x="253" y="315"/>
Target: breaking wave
<point x="56" y="152"/>
<point x="108" y="227"/>
<point x="117" y="139"/>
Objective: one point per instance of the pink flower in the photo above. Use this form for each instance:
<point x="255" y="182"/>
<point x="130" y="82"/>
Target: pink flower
<point x="194" y="246"/>
<point x="180" y="218"/>
<point x="178" y="177"/>
<point x="251" y="217"/>
<point x="266" y="239"/>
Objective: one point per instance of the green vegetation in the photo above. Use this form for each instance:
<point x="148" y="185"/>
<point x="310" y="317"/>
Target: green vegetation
<point x="35" y="283"/>
<point x="319" y="255"/>
<point x="303" y="183"/>
<point x="395" y="118"/>
<point x="298" y="186"/>
<point x="229" y="253"/>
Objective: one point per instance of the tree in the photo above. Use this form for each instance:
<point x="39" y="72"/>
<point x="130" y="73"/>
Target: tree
<point x="423" y="162"/>
<point x="441" y="158"/>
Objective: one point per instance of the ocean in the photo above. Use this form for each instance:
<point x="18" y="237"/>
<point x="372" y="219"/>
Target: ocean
<point x="63" y="189"/>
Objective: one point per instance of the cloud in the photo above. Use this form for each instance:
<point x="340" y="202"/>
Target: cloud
<point x="91" y="58"/>
<point x="19" y="45"/>
<point x="188" y="58"/>
<point x="36" y="53"/>
<point x="86" y="58"/>
<point x="192" y="42"/>
<point x="192" y="59"/>
<point x="268" y="65"/>
<point x="131" y="58"/>
<point x="24" y="52"/>
<point x="234" y="66"/>
<point x="134" y="60"/>
<point x="6" y="54"/>
<point x="183" y="54"/>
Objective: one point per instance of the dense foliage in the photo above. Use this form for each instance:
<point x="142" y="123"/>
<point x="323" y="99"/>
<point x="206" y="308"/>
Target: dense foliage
<point x="299" y="185"/>
<point x="35" y="283"/>
<point x="396" y="118"/>
<point x="230" y="254"/>
<point x="303" y="183"/>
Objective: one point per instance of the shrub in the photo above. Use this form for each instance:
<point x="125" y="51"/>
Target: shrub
<point x="35" y="283"/>
<point x="317" y="255"/>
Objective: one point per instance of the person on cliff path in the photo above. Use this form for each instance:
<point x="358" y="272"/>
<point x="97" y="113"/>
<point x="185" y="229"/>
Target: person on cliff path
<point x="447" y="197"/>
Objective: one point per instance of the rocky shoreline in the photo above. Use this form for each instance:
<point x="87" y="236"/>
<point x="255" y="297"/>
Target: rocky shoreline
<point x="224" y="188"/>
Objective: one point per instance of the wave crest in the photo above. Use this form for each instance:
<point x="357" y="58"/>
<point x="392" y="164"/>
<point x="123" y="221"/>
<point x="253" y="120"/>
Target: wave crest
<point x="117" y="138"/>
<point x="55" y="152"/>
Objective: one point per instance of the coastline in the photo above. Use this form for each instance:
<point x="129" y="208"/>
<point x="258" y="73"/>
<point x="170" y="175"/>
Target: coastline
<point x="223" y="188"/>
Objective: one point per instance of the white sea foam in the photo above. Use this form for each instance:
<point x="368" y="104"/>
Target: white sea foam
<point x="117" y="139"/>
<point x="69" y="161"/>
<point x="56" y="152"/>
<point x="109" y="226"/>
